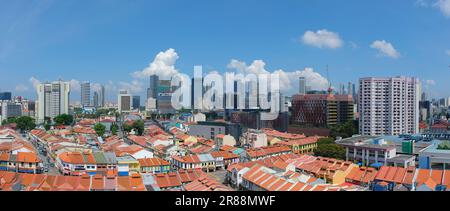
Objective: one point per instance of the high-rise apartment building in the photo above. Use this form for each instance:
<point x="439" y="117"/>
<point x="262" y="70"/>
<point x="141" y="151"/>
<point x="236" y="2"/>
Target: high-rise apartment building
<point x="389" y="106"/>
<point x="86" y="94"/>
<point x="52" y="100"/>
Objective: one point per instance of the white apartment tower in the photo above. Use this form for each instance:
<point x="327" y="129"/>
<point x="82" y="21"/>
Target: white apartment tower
<point x="86" y="94"/>
<point x="52" y="100"/>
<point x="389" y="106"/>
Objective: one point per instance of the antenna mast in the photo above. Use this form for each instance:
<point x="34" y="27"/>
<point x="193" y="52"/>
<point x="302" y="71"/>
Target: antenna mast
<point x="329" y="81"/>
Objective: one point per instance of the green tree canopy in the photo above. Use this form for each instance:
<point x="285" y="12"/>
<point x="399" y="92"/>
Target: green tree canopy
<point x="63" y="119"/>
<point x="344" y="130"/>
<point x="139" y="127"/>
<point x="100" y="129"/>
<point x="127" y="128"/>
<point x="47" y="126"/>
<point x="114" y="129"/>
<point x="25" y="123"/>
<point x="330" y="151"/>
<point x="9" y="121"/>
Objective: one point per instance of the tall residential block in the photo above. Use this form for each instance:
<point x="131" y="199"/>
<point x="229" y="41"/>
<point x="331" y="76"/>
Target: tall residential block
<point x="389" y="106"/>
<point x="52" y="100"/>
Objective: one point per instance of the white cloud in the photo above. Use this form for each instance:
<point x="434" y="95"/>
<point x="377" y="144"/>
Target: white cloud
<point x="135" y="87"/>
<point x="21" y="88"/>
<point x="75" y="85"/>
<point x="163" y="65"/>
<point x="34" y="81"/>
<point x="447" y="52"/>
<point x="422" y="3"/>
<point x="322" y="39"/>
<point x="430" y="82"/>
<point x="96" y="87"/>
<point x="444" y="6"/>
<point x="385" y="49"/>
<point x="288" y="80"/>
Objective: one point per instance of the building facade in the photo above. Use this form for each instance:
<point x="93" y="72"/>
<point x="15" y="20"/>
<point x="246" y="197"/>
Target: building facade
<point x="389" y="106"/>
<point x="52" y="100"/>
<point x="321" y="109"/>
<point x="86" y="94"/>
<point x="124" y="101"/>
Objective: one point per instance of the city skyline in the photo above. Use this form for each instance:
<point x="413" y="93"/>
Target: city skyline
<point x="281" y="40"/>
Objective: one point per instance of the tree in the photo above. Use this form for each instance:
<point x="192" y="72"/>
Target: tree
<point x="100" y="129"/>
<point x="114" y="128"/>
<point x="127" y="128"/>
<point x="10" y="120"/>
<point x="63" y="119"/>
<point x="47" y="126"/>
<point x="25" y="123"/>
<point x="330" y="151"/>
<point x="139" y="127"/>
<point x="344" y="130"/>
<point x="324" y="141"/>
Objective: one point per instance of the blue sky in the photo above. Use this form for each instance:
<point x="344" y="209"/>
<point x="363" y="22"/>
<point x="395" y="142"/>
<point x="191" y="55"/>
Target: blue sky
<point x="111" y="41"/>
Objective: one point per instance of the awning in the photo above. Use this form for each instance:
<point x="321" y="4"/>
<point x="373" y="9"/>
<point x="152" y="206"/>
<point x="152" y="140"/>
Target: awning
<point x="376" y="165"/>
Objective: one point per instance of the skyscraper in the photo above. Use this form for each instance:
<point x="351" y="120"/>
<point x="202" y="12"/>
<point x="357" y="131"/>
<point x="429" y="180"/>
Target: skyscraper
<point x="96" y="99"/>
<point x="341" y="89"/>
<point x="102" y="96"/>
<point x="136" y="102"/>
<point x="99" y="97"/>
<point x="52" y="99"/>
<point x="302" y="87"/>
<point x="350" y="89"/>
<point x="424" y="96"/>
<point x="389" y="106"/>
<point x="86" y="94"/>
<point x="152" y="91"/>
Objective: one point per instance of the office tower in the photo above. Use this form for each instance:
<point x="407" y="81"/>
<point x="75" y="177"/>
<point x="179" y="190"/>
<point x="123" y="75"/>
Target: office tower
<point x="389" y="106"/>
<point x="302" y="88"/>
<point x="96" y="99"/>
<point x="321" y="110"/>
<point x="124" y="101"/>
<point x="86" y="94"/>
<point x="5" y="96"/>
<point x="10" y="109"/>
<point x="152" y="91"/>
<point x="424" y="96"/>
<point x="101" y="96"/>
<point x="52" y="100"/>
<point x="136" y="102"/>
<point x="354" y="91"/>
<point x="350" y="89"/>
<point x="150" y="105"/>
<point x="341" y="89"/>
